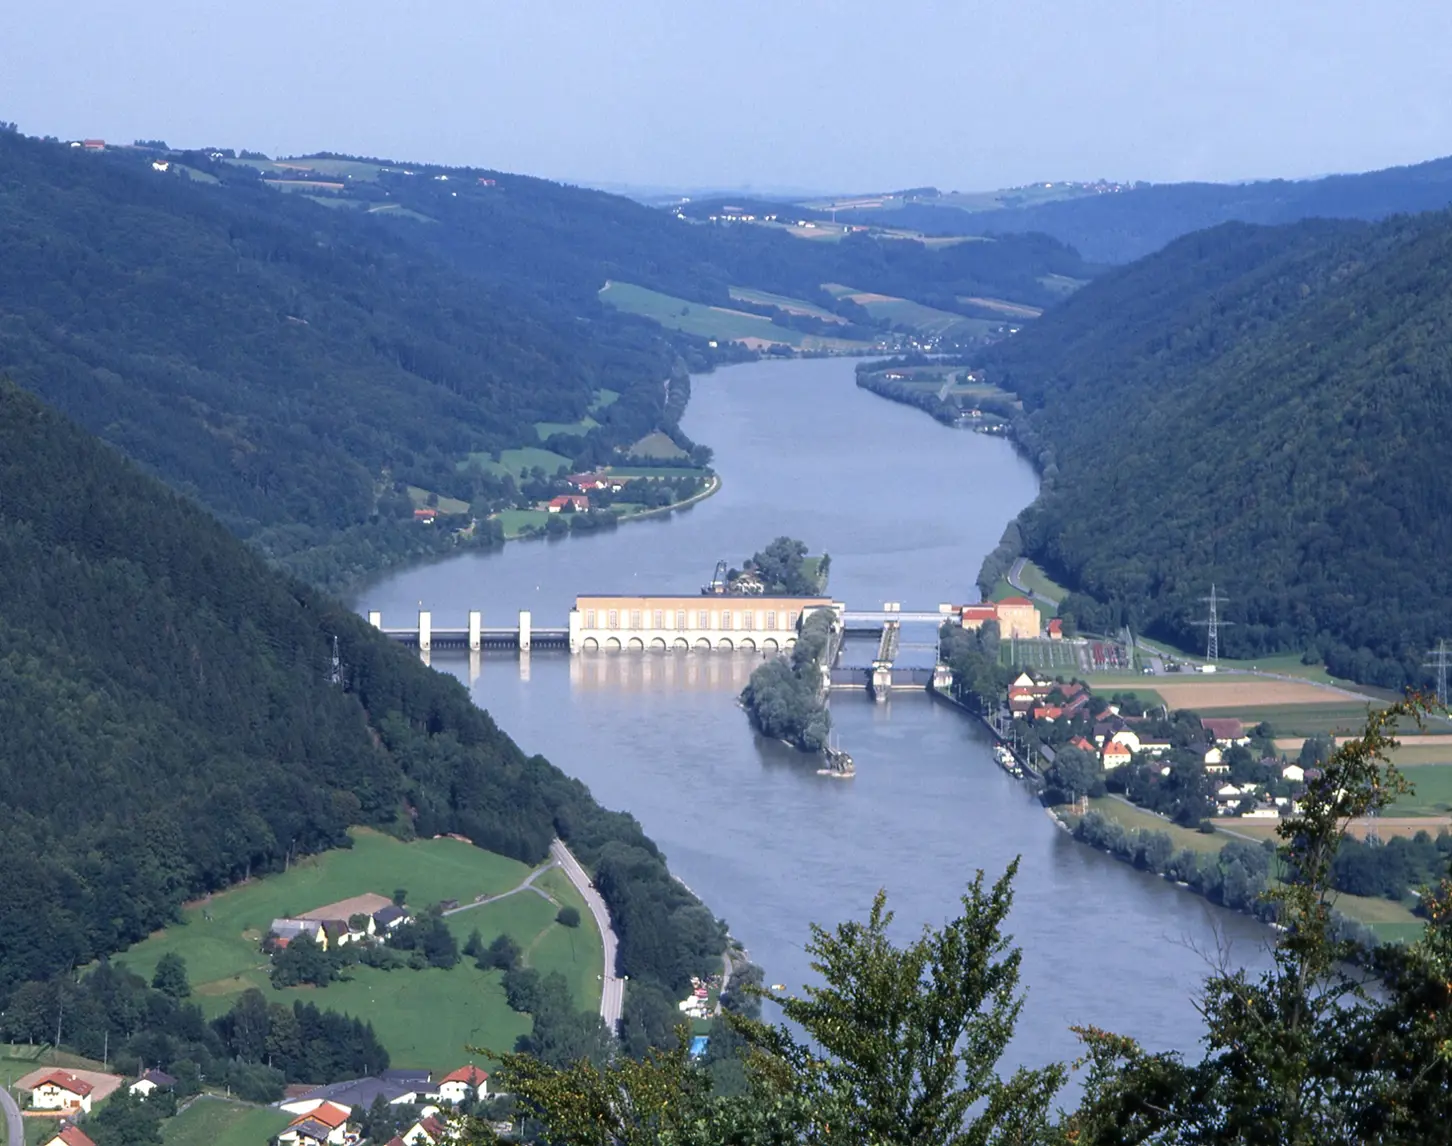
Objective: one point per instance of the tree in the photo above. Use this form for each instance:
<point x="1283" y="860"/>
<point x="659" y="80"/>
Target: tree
<point x="171" y="976"/>
<point x="400" y="896"/>
<point x="1074" y="773"/>
<point x="568" y="916"/>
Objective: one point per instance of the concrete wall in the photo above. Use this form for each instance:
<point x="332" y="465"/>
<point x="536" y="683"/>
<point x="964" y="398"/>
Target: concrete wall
<point x="754" y="624"/>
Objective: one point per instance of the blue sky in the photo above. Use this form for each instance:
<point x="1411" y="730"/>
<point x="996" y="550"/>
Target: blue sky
<point x="844" y="95"/>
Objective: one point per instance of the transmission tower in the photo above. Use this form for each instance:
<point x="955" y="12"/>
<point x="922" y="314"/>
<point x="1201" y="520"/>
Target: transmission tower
<point x="1213" y="624"/>
<point x="335" y="673"/>
<point x="1441" y="660"/>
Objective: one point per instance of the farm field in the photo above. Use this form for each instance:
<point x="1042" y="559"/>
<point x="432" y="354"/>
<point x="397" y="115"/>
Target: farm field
<point x="924" y="319"/>
<point x="784" y="302"/>
<point x="1295" y="719"/>
<point x="1002" y="306"/>
<point x="218" y="937"/>
<point x="717" y="322"/>
<point x="1211" y="691"/>
<point x="1433" y="791"/>
<point x="210" y="1121"/>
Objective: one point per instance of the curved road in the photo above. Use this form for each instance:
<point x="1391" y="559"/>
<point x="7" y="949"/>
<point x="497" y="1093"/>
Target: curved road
<point x="13" y="1122"/>
<point x="1014" y="578"/>
<point x="612" y="987"/>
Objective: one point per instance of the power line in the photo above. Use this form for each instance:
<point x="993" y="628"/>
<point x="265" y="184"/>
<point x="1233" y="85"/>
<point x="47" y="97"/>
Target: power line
<point x="1213" y="624"/>
<point x="1441" y="660"/>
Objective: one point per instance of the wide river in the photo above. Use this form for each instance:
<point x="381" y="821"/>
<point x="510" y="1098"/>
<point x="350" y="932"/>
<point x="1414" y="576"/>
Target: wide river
<point x="907" y="508"/>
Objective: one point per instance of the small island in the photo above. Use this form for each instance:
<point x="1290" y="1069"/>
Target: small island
<point x="786" y="697"/>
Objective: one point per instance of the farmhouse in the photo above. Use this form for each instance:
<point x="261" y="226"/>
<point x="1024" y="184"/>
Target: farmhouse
<point x="286" y="930"/>
<point x="576" y="501"/>
<point x="69" y="1136"/>
<point x="1225" y="731"/>
<point x="61" y="1091"/>
<point x="325" y="1123"/>
<point x="150" y="1081"/>
<point x="1116" y="754"/>
<point x="465" y="1083"/>
<point x="387" y="918"/>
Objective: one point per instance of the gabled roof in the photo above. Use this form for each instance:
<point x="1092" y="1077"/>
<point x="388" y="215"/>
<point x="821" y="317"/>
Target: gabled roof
<point x="470" y="1074"/>
<point x="66" y="1082"/>
<point x="160" y="1078"/>
<point x="331" y="1115"/>
<point x="1116" y="748"/>
<point x="73" y="1136"/>
<point x="1223" y="727"/>
<point x="1016" y="602"/>
<point x="309" y="1127"/>
<point x="383" y="917"/>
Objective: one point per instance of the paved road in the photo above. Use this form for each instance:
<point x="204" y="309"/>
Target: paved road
<point x="526" y="885"/>
<point x="612" y="989"/>
<point x="13" y="1122"/>
<point x="1015" y="576"/>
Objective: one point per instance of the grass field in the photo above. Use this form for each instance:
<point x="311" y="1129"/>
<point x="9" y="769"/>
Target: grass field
<point x="1040" y="582"/>
<point x="518" y="522"/>
<point x="218" y="937"/>
<point x="1002" y="306"/>
<point x="1051" y="656"/>
<point x="716" y="322"/>
<point x="424" y="1018"/>
<point x="219" y="1122"/>
<point x="518" y="461"/>
<point x="656" y="445"/>
<point x="1132" y="818"/>
<point x="603" y="398"/>
<point x="420" y="498"/>
<point x="546" y="430"/>
<point x="784" y="302"/>
<point x="658" y="471"/>
<point x="1433" y="794"/>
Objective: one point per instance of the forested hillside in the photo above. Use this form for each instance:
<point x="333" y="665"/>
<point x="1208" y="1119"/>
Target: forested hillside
<point x="1264" y="409"/>
<point x="1129" y="224"/>
<point x="174" y="723"/>
<point x="288" y="365"/>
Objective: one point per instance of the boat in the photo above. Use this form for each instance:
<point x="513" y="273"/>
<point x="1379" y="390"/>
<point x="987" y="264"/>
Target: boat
<point x="839" y="763"/>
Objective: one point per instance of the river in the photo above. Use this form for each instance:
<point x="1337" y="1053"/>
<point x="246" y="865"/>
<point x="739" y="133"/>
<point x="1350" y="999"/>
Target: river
<point x="907" y="508"/>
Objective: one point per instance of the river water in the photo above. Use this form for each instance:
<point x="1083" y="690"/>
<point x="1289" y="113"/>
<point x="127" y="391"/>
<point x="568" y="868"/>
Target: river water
<point x="907" y="508"/>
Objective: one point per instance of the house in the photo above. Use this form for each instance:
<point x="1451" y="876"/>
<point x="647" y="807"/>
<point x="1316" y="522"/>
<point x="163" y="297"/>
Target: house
<point x="1293" y="773"/>
<point x="1116" y="754"/>
<point x="1128" y="737"/>
<point x="1225" y="730"/>
<point x="587" y="482"/>
<point x="286" y="930"/>
<point x="425" y="1132"/>
<point x="974" y="616"/>
<point x="1154" y="747"/>
<point x="1018" y="617"/>
<point x="1228" y="794"/>
<point x="94" y="144"/>
<point x="60" y="1090"/>
<point x="361" y="1093"/>
<point x="465" y="1083"/>
<point x="1211" y="756"/>
<point x="151" y="1080"/>
<point x="1056" y="630"/>
<point x="325" y="1123"/>
<point x="70" y="1136"/>
<point x="386" y="919"/>
<point x="1048" y="713"/>
<point x="1083" y="745"/>
<point x="425" y="513"/>
<point x="1262" y="812"/>
<point x="576" y="501"/>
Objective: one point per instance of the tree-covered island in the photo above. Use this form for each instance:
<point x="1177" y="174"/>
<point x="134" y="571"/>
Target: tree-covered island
<point x="786" y="697"/>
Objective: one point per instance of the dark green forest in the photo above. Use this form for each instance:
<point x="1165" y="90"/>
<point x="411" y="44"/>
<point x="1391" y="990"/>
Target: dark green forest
<point x="174" y="723"/>
<point x="287" y="365"/>
<point x="1261" y="408"/>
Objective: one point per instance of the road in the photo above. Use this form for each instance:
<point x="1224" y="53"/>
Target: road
<point x="1015" y="578"/>
<point x="612" y="987"/>
<point x="13" y="1122"/>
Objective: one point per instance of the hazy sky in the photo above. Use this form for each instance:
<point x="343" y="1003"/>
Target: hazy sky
<point x="852" y="94"/>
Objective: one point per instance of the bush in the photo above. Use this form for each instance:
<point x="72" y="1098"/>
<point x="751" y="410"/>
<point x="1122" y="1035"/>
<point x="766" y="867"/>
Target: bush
<point x="568" y="917"/>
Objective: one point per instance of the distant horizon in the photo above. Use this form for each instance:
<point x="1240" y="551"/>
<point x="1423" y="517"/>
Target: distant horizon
<point x="651" y="94"/>
<point x="748" y="189"/>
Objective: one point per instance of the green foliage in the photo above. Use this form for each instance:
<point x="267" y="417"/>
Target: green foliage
<point x="129" y="1120"/>
<point x="429" y="935"/>
<point x="784" y="696"/>
<point x="1272" y="401"/>
<point x="171" y="976"/>
<point x="568" y="916"/>
<point x="155" y="642"/>
<point x="782" y="569"/>
<point x="304" y="962"/>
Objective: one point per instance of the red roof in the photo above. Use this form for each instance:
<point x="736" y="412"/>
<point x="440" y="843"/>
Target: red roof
<point x="330" y="1114"/>
<point x="1115" y="748"/>
<point x="427" y="512"/>
<point x="470" y="1074"/>
<point x="1016" y="601"/>
<point x="73" y="1136"/>
<point x="1056" y="626"/>
<point x="66" y="1082"/>
<point x="1080" y="742"/>
<point x="578" y="500"/>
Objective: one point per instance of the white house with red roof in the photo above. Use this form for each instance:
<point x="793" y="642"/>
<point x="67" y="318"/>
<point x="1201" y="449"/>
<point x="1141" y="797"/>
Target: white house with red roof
<point x="60" y="1090"/>
<point x="576" y="501"/>
<point x="326" y="1123"/>
<point x="1116" y="754"/>
<point x="426" y="1132"/>
<point x="465" y="1083"/>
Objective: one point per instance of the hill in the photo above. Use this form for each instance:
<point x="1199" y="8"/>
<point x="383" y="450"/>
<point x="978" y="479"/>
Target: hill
<point x="1128" y="222"/>
<point x="1262" y="409"/>
<point x="292" y="367"/>
<point x="175" y="724"/>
